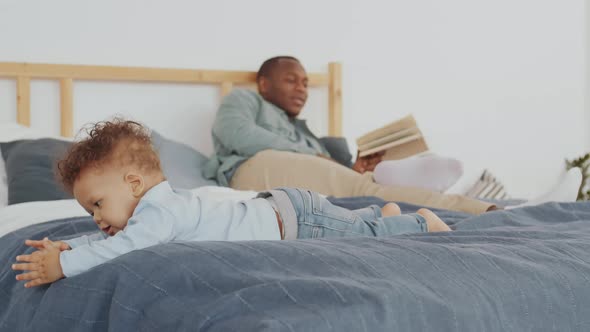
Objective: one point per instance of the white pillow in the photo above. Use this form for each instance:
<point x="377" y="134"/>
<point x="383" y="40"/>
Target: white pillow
<point x="12" y="132"/>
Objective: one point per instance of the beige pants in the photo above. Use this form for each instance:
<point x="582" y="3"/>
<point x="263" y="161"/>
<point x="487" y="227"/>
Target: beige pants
<point x="270" y="169"/>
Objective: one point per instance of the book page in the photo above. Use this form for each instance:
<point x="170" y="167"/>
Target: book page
<point x="409" y="149"/>
<point x="390" y="145"/>
<point x="389" y="138"/>
<point x="393" y="127"/>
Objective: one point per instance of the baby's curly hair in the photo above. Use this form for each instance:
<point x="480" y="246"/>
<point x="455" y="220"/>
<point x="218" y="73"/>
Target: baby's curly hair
<point x="118" y="140"/>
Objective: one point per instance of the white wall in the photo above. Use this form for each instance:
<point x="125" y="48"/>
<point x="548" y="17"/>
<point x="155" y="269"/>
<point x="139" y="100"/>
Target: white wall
<point x="498" y="84"/>
<point x="587" y="64"/>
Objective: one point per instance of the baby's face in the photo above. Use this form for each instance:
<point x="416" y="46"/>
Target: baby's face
<point x="106" y="195"/>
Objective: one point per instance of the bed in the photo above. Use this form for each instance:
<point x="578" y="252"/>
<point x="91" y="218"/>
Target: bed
<point x="517" y="270"/>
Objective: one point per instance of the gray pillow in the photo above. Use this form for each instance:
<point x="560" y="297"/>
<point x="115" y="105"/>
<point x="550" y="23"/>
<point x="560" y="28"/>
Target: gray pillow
<point x="31" y="177"/>
<point x="30" y="169"/>
<point x="181" y="164"/>
<point x="338" y="149"/>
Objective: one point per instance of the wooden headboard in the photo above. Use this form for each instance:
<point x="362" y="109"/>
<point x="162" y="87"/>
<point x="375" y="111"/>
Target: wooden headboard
<point x="226" y="79"/>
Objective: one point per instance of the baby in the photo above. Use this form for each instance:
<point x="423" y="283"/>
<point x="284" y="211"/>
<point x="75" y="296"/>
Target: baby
<point x="115" y="175"/>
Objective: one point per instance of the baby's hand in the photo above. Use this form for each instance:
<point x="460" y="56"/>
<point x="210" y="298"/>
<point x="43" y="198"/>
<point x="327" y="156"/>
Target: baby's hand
<point x="39" y="244"/>
<point x="43" y="265"/>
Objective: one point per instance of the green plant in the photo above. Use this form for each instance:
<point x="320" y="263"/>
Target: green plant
<point x="584" y="164"/>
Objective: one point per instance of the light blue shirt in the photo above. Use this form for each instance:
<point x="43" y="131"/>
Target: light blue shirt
<point x="164" y="215"/>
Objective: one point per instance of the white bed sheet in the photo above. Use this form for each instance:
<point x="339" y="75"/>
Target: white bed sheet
<point x="21" y="215"/>
<point x="17" y="216"/>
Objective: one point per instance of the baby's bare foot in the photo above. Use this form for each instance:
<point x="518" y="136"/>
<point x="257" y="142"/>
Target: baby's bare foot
<point x="435" y="224"/>
<point x="390" y="209"/>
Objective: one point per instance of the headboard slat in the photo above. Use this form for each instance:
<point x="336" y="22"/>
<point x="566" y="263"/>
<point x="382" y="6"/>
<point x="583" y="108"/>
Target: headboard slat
<point x="335" y="99"/>
<point x="66" y="86"/>
<point x="137" y="74"/>
<point x="66" y="74"/>
<point x="23" y="100"/>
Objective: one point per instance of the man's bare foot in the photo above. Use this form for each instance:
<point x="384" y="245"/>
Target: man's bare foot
<point x="390" y="210"/>
<point x="435" y="224"/>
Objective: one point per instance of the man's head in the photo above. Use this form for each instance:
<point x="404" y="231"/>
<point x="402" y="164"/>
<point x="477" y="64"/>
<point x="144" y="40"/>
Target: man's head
<point x="283" y="81"/>
<point x="109" y="171"/>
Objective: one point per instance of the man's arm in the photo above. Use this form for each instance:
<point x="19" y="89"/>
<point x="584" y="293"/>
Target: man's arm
<point x="236" y="128"/>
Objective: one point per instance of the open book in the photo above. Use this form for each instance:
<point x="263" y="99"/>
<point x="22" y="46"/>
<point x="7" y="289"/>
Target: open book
<point x="399" y="139"/>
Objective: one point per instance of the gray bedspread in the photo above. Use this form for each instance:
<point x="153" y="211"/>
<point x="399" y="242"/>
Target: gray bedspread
<point x="522" y="270"/>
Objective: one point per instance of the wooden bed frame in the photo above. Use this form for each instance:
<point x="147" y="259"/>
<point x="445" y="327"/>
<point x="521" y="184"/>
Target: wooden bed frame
<point x="67" y="74"/>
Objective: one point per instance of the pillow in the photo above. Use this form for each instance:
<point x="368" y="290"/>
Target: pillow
<point x="338" y="149"/>
<point x="30" y="164"/>
<point x="30" y="169"/>
<point x="180" y="163"/>
<point x="11" y="132"/>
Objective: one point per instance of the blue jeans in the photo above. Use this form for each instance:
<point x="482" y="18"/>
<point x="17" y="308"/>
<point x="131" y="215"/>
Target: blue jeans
<point x="317" y="217"/>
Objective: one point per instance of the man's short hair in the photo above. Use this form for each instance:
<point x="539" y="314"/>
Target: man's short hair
<point x="269" y="65"/>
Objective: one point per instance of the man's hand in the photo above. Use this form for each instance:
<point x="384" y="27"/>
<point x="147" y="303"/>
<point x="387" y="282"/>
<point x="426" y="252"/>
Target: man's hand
<point x="368" y="163"/>
<point x="38" y="244"/>
<point x="43" y="265"/>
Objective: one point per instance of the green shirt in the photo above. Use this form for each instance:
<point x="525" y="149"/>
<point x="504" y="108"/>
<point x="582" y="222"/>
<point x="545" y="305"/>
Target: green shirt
<point x="246" y="124"/>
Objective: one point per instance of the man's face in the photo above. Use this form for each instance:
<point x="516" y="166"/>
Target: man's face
<point x="286" y="86"/>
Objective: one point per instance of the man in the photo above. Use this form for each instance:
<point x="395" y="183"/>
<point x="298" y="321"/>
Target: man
<point x="282" y="81"/>
<point x="260" y="144"/>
